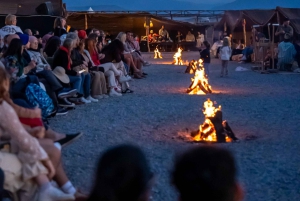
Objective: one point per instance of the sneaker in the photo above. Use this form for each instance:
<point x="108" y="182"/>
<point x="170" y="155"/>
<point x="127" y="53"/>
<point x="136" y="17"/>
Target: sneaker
<point x="61" y="111"/>
<point x="113" y="92"/>
<point x="82" y="99"/>
<point x="70" y="138"/>
<point x="145" y="73"/>
<point x="65" y="103"/>
<point x="124" y="79"/>
<point x="105" y="96"/>
<point x="90" y="98"/>
<point x="66" y="92"/>
<point x="53" y="193"/>
<point x="99" y="97"/>
<point x="78" y="95"/>
<point x="118" y="89"/>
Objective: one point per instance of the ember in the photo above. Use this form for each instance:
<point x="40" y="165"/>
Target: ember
<point x="157" y="54"/>
<point x="199" y="83"/>
<point x="213" y="129"/>
<point x="177" y="57"/>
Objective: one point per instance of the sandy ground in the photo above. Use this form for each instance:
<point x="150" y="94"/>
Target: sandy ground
<point x="261" y="106"/>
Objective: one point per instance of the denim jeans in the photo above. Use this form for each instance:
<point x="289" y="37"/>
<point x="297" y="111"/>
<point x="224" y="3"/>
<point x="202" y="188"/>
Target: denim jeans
<point x="86" y="84"/>
<point x="76" y="83"/>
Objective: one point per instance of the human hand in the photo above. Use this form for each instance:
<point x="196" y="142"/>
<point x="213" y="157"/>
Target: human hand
<point x="51" y="171"/>
<point x="32" y="64"/>
<point x="38" y="132"/>
<point x="85" y="63"/>
<point x="101" y="56"/>
<point x="47" y="67"/>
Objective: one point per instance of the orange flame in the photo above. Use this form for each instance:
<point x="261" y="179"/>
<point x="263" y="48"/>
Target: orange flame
<point x="199" y="81"/>
<point x="177" y="57"/>
<point x="157" y="54"/>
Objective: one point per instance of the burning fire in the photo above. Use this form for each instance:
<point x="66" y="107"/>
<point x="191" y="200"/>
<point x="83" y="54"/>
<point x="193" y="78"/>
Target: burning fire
<point x="199" y="83"/>
<point x="177" y="57"/>
<point x="207" y="130"/>
<point x="157" y="54"/>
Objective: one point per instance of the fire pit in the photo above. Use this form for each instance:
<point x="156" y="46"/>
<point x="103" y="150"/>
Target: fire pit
<point x="199" y="83"/>
<point x="177" y="57"/>
<point x="213" y="129"/>
<point x="157" y="54"/>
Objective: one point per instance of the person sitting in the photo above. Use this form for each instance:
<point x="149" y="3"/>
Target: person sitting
<point x="52" y="45"/>
<point x="62" y="58"/>
<point x="43" y="70"/>
<point x="206" y="173"/>
<point x="286" y="54"/>
<point x="45" y="38"/>
<point x="297" y="48"/>
<point x="123" y="173"/>
<point x="80" y="66"/>
<point x="59" y="26"/>
<point x="130" y="57"/>
<point x="190" y="37"/>
<point x="179" y="37"/>
<point x="152" y="37"/>
<point x="9" y="28"/>
<point x="283" y="29"/>
<point x="163" y="33"/>
<point x="98" y="88"/>
<point x="29" y="159"/>
<point x="239" y="47"/>
<point x="268" y="61"/>
<point x="28" y="32"/>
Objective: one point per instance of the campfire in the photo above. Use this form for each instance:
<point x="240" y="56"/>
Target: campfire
<point x="157" y="53"/>
<point x="213" y="129"/>
<point x="199" y="83"/>
<point x="177" y="57"/>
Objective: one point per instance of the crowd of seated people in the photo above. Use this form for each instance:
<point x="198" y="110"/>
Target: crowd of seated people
<point x="41" y="77"/>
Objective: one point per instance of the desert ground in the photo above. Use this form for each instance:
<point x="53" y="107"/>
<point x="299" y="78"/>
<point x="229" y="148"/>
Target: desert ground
<point x="262" y="109"/>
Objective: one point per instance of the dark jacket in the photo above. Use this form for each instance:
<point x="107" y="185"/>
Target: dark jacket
<point x="205" y="55"/>
<point x="61" y="58"/>
<point x="76" y="58"/>
<point x="112" y="53"/>
<point x="59" y="32"/>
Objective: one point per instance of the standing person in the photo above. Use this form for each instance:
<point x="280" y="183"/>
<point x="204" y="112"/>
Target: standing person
<point x="205" y="56"/>
<point x="59" y="26"/>
<point x="225" y="53"/>
<point x="200" y="40"/>
<point x="283" y="29"/>
<point x="286" y="54"/>
<point x="163" y="33"/>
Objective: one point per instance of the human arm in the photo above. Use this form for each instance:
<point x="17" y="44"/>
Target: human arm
<point x="279" y="31"/>
<point x="29" y="150"/>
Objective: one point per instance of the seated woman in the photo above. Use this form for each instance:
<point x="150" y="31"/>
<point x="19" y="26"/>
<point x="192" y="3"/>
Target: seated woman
<point x="135" y="181"/>
<point x="98" y="88"/>
<point x="18" y="68"/>
<point x="79" y="66"/>
<point x="51" y="46"/>
<point x="113" y="55"/>
<point x="62" y="58"/>
<point x="43" y="70"/>
<point x="129" y="59"/>
<point x="29" y="159"/>
<point x="114" y="71"/>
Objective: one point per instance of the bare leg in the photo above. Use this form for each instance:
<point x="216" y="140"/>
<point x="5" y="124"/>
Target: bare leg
<point x="53" y="135"/>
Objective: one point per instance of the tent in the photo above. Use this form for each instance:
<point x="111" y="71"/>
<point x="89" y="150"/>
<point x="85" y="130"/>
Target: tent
<point x="293" y="14"/>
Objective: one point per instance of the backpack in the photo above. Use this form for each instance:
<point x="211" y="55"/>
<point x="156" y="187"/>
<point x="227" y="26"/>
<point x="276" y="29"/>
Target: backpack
<point x="36" y="96"/>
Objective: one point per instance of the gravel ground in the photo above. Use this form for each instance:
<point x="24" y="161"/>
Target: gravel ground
<point x="262" y="106"/>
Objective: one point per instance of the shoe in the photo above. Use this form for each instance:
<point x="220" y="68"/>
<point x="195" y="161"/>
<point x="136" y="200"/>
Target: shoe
<point x="118" y="89"/>
<point x="105" y="96"/>
<point x="90" y="98"/>
<point x="66" y="92"/>
<point x="145" y="73"/>
<point x="137" y="76"/>
<point x="65" y="103"/>
<point x="53" y="193"/>
<point x="78" y="95"/>
<point x="124" y="79"/>
<point x="82" y="99"/>
<point x="113" y="92"/>
<point x="127" y="91"/>
<point x="61" y="111"/>
<point x="70" y="138"/>
<point x="128" y="76"/>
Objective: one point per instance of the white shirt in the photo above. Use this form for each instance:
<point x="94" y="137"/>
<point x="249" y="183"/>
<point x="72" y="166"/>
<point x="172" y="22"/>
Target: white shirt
<point x="225" y="53"/>
<point x="6" y="30"/>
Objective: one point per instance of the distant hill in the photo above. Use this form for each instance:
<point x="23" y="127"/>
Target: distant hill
<point x="259" y="4"/>
<point x="82" y="5"/>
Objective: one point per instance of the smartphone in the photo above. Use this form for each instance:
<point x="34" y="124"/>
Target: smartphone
<point x="81" y="71"/>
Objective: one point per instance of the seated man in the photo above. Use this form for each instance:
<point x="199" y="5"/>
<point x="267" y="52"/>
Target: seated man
<point x="163" y="33"/>
<point x="286" y="54"/>
<point x="206" y="173"/>
<point x="190" y="37"/>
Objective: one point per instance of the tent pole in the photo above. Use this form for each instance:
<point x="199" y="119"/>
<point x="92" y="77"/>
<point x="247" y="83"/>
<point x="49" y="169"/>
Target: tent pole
<point x="85" y="21"/>
<point x="244" y="31"/>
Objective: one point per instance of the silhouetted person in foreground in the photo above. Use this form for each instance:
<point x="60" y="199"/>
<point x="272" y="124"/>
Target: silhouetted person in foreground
<point x="123" y="174"/>
<point x="206" y="174"/>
